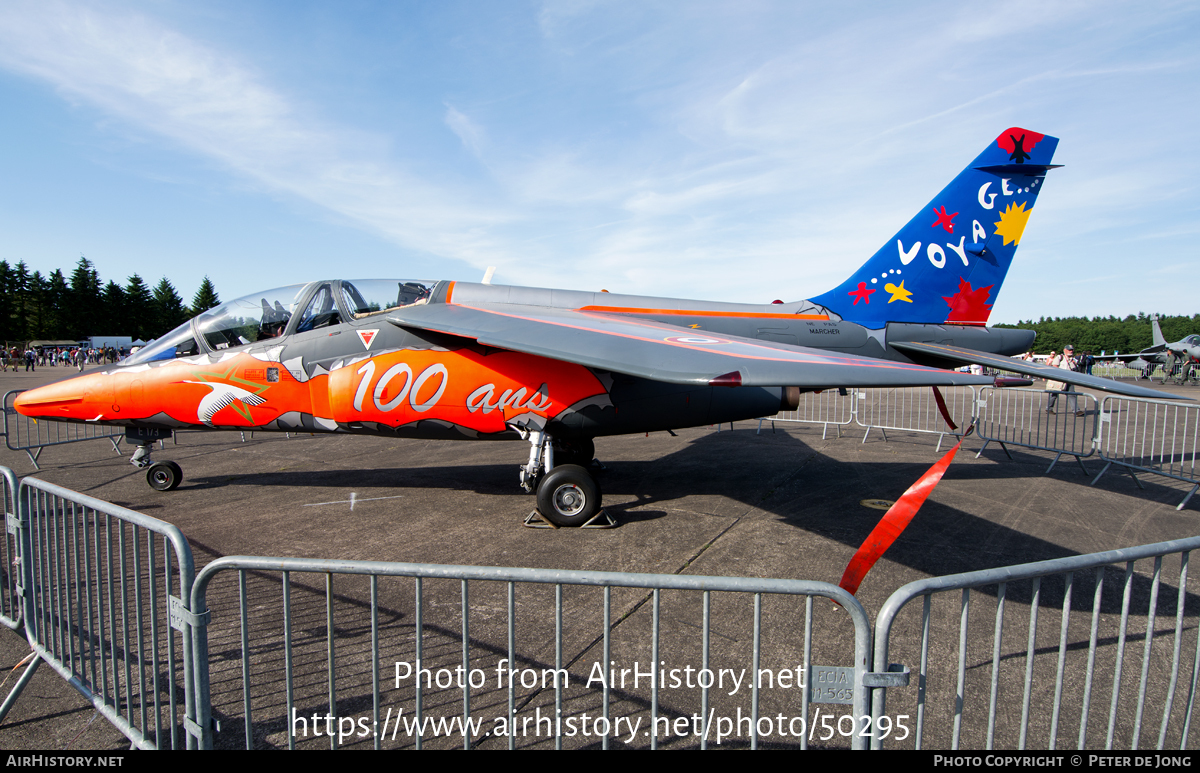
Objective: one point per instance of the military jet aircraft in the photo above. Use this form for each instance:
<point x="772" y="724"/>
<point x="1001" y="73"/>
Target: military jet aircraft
<point x="1177" y="359"/>
<point x="459" y="360"/>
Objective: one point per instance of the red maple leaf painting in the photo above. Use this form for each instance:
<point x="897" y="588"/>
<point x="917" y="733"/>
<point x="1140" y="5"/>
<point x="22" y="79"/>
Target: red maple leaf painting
<point x="969" y="306"/>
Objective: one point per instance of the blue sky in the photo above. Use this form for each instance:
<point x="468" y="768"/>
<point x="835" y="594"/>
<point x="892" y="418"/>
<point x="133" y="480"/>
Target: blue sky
<point x="741" y="151"/>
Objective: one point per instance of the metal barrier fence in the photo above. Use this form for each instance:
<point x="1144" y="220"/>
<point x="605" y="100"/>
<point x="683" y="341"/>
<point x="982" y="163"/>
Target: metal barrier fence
<point x="99" y="609"/>
<point x="915" y="410"/>
<point x="1151" y="436"/>
<point x="1120" y="370"/>
<point x="904" y="409"/>
<point x="831" y="407"/>
<point x="1025" y="417"/>
<point x="22" y="433"/>
<point x="385" y="660"/>
<point x="1033" y="687"/>
<point x="1176" y="370"/>
<point x="1158" y="436"/>
<point x="11" y="584"/>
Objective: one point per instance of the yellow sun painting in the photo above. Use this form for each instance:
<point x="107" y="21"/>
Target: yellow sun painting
<point x="1012" y="223"/>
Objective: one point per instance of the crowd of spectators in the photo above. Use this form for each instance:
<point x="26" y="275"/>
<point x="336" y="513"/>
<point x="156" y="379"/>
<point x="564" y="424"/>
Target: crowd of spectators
<point x="59" y="356"/>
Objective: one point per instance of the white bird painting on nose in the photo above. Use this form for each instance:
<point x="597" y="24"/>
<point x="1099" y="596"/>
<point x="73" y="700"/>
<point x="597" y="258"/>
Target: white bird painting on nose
<point x="222" y="396"/>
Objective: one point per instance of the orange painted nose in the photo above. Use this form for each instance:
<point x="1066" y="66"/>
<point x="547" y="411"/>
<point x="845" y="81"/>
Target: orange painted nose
<point x="82" y="398"/>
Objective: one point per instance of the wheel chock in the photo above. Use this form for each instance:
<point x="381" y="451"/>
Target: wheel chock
<point x="601" y="520"/>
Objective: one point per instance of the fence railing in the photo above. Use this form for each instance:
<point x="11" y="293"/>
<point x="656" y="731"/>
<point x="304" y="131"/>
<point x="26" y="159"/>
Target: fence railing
<point x="1158" y="436"/>
<point x="1150" y="436"/>
<point x="829" y="408"/>
<point x="1048" y="420"/>
<point x="915" y="410"/>
<point x="901" y="409"/>
<point x="1121" y="370"/>
<point x="105" y="604"/>
<point x="12" y="580"/>
<point x="1036" y="676"/>
<point x="450" y="640"/>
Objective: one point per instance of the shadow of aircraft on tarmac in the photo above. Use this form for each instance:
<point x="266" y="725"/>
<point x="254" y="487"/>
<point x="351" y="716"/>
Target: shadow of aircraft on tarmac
<point x="782" y="475"/>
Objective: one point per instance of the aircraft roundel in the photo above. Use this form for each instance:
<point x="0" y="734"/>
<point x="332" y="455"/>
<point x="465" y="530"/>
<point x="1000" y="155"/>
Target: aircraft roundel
<point x="694" y="340"/>
<point x="367" y="336"/>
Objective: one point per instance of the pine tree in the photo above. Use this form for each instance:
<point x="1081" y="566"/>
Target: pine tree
<point x="56" y="298"/>
<point x="139" y="308"/>
<point x="38" y="310"/>
<point x="169" y="311"/>
<point x="20" y="288"/>
<point x="113" y="310"/>
<point x="205" y="298"/>
<point x="83" y="306"/>
<point x="7" y="323"/>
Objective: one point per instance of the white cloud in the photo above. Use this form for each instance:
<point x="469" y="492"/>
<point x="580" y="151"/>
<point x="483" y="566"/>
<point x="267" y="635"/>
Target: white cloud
<point x="210" y="102"/>
<point x="471" y="134"/>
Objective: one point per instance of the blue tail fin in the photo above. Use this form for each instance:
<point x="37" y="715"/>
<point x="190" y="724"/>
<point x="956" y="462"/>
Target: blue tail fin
<point x="948" y="263"/>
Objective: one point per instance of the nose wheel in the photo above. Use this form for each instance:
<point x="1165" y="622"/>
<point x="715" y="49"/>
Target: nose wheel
<point x="567" y="494"/>
<point x="164" y="476"/>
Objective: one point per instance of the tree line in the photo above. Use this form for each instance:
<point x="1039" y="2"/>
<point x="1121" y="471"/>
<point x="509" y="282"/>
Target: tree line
<point x="37" y="307"/>
<point x="33" y="306"/>
<point x="1109" y="334"/>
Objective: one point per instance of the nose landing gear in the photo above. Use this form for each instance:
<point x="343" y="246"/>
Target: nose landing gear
<point x="162" y="476"/>
<point x="567" y="494"/>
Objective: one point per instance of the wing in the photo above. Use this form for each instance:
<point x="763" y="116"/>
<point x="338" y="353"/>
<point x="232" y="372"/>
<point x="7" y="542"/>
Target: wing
<point x="662" y="352"/>
<point x="998" y="361"/>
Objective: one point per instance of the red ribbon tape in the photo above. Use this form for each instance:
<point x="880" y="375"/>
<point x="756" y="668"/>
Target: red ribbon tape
<point x="941" y="404"/>
<point x="895" y="521"/>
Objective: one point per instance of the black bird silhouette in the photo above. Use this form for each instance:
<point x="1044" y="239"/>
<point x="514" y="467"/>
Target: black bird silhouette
<point x="1019" y="155"/>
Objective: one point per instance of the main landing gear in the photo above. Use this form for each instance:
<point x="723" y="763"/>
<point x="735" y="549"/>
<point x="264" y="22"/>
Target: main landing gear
<point x="162" y="476"/>
<point x="567" y="494"/>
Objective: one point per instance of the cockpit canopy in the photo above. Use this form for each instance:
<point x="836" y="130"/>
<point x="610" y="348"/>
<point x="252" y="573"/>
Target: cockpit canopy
<point x="283" y="311"/>
<point x="367" y="296"/>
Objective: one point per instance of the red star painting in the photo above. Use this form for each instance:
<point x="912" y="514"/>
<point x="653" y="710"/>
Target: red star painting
<point x="944" y="220"/>
<point x="862" y="293"/>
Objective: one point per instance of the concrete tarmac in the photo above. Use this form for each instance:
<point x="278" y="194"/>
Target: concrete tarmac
<point x="781" y="504"/>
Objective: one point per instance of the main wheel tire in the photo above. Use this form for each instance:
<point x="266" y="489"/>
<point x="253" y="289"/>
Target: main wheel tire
<point x="164" y="476"/>
<point x="579" y="451"/>
<point x="568" y="496"/>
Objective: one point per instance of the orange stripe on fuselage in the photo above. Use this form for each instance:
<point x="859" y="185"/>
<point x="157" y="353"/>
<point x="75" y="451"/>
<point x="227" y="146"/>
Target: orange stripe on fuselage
<point x="694" y="313"/>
